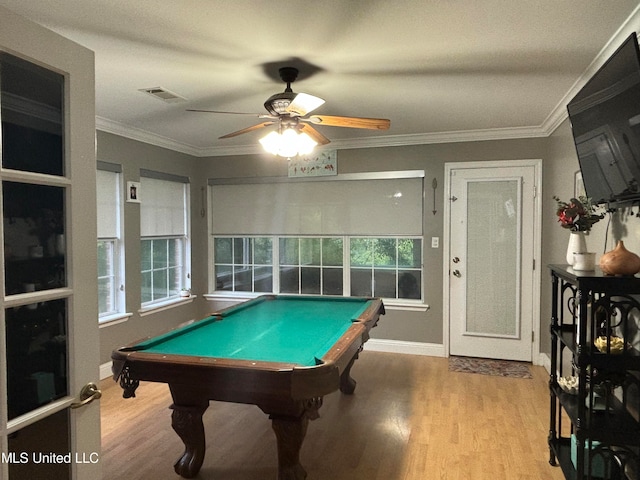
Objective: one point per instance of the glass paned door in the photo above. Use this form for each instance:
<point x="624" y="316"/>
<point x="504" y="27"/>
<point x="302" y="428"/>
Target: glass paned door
<point x="491" y="251"/>
<point x="46" y="357"/>
<point x="33" y="235"/>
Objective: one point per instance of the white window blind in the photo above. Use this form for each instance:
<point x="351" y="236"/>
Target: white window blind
<point x="108" y="198"/>
<point x="163" y="208"/>
<point x="384" y="203"/>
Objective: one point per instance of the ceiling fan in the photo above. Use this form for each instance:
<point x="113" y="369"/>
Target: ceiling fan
<point x="290" y="111"/>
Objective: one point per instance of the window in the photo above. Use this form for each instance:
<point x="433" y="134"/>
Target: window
<point x="110" y="254"/>
<point x="244" y="264"/>
<point x="386" y="267"/>
<point x="163" y="270"/>
<point x="165" y="247"/>
<point x="353" y="234"/>
<point x="311" y="266"/>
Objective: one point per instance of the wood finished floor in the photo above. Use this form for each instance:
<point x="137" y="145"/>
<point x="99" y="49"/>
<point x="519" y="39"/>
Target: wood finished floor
<point x="409" y="419"/>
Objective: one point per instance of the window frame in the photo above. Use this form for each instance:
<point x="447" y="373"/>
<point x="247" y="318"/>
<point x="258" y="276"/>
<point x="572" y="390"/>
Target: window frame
<point x="346" y="266"/>
<point x="185" y="238"/>
<point x="166" y="267"/>
<point x="118" y="250"/>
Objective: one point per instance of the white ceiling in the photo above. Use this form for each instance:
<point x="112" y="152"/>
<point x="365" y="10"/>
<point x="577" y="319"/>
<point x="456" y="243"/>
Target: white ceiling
<point x="441" y="70"/>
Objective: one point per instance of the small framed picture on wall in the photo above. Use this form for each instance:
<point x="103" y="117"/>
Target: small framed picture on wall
<point x="133" y="192"/>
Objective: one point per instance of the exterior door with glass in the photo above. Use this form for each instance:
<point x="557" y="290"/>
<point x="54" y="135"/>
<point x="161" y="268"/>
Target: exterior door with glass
<point x="491" y="253"/>
<point x="48" y="321"/>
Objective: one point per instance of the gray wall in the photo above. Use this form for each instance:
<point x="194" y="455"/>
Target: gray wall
<point x="559" y="165"/>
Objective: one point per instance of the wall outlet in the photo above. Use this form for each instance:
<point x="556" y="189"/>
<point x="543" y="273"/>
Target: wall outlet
<point x="435" y="242"/>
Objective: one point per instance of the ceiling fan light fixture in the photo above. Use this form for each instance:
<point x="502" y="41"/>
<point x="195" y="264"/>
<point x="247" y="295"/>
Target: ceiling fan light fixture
<point x="289" y="143"/>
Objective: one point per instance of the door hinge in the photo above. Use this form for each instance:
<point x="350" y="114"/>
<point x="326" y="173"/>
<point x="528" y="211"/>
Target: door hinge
<point x="534" y="263"/>
<point x="533" y="336"/>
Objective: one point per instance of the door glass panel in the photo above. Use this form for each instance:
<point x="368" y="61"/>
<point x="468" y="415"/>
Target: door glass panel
<point x="492" y="257"/>
<point x="36" y="355"/>
<point x="34" y="246"/>
<point x="41" y="450"/>
<point x="32" y="113"/>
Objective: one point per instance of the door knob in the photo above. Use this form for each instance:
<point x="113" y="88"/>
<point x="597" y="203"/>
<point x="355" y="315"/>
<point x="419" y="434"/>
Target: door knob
<point x="456" y="259"/>
<point x="88" y="394"/>
<point x="457" y="273"/>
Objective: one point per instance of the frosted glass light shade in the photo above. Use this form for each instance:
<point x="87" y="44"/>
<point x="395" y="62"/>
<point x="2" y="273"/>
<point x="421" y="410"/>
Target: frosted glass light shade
<point x="288" y="144"/>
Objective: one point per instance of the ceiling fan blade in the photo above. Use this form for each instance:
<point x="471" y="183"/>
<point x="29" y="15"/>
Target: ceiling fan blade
<point x="258" y="115"/>
<point x="303" y="103"/>
<point x="247" y="130"/>
<point x="350" y="122"/>
<point x="314" y="134"/>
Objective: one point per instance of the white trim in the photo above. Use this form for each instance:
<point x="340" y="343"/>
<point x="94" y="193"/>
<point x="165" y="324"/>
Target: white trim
<point x="165" y="305"/>
<point x="133" y="133"/>
<point x="537" y="243"/>
<point x="559" y="112"/>
<point x="114" y="319"/>
<point x="404" y="347"/>
<point x="387" y="346"/>
<point x="544" y="361"/>
<point x="548" y="126"/>
<point x="373" y="345"/>
<point x="105" y="370"/>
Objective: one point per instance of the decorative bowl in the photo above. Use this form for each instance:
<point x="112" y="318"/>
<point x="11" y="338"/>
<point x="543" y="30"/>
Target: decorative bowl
<point x="616" y="344"/>
<point x="569" y="384"/>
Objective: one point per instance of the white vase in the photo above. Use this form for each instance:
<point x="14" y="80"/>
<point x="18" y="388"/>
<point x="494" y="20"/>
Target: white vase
<point x="577" y="244"/>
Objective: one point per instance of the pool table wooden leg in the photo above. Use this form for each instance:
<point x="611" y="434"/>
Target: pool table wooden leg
<point x="290" y="432"/>
<point x="186" y="420"/>
<point x="348" y="384"/>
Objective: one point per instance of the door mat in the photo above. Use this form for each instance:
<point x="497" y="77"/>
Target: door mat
<point x="484" y="366"/>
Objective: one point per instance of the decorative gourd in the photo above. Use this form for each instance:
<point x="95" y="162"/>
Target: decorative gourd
<point x="620" y="261"/>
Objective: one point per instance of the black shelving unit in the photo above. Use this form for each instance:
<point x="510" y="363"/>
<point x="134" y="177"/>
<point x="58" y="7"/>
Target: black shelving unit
<point x="595" y="433"/>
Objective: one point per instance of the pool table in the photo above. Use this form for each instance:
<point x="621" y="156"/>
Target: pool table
<point x="281" y="353"/>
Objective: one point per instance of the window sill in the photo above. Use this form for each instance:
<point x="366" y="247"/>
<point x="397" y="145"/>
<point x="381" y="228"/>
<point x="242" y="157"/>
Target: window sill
<point x="405" y="306"/>
<point x="232" y="296"/>
<point x="115" y="319"/>
<point x="165" y="305"/>
<point x="391" y="304"/>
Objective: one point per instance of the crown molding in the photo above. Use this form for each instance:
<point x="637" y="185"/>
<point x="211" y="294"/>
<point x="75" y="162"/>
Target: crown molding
<point x="550" y="124"/>
<point x="140" y="135"/>
<point x="134" y="133"/>
<point x="559" y="113"/>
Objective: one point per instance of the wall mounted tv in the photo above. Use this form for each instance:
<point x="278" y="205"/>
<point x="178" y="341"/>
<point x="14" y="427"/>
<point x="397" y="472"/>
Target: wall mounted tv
<point x="605" y="119"/>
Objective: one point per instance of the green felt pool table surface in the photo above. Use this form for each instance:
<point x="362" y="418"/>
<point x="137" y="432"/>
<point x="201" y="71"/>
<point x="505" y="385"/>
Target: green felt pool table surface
<point x="296" y="330"/>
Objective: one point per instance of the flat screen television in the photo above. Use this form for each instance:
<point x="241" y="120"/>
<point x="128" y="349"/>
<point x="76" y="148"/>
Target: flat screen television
<point x="605" y="120"/>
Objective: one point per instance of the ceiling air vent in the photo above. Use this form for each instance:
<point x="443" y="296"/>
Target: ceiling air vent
<point x="163" y="94"/>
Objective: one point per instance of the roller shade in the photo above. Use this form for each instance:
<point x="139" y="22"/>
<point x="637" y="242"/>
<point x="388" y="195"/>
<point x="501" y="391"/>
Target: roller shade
<point x="108" y="199"/>
<point x="344" y="205"/>
<point x="163" y="205"/>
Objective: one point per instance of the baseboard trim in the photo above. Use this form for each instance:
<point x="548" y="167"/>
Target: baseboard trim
<point x="400" y="346"/>
<point x="387" y="346"/>
<point x="373" y="345"/>
<point x="105" y="370"/>
<point x="545" y="361"/>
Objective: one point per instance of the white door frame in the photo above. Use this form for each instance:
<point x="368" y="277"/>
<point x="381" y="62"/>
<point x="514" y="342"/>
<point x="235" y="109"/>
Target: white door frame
<point x="537" y="244"/>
